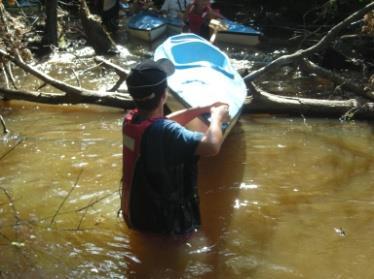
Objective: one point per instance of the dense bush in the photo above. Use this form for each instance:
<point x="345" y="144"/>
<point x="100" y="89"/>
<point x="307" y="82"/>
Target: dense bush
<point x="327" y="11"/>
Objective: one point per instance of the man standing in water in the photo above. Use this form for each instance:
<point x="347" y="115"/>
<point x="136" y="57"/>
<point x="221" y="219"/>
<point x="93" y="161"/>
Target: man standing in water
<point x="159" y="192"/>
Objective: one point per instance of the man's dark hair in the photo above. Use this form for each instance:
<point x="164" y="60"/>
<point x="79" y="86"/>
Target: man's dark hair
<point x="152" y="99"/>
<point x="147" y="82"/>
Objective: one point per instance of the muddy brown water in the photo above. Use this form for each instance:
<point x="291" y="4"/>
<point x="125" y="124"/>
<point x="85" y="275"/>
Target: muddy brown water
<point x="285" y="198"/>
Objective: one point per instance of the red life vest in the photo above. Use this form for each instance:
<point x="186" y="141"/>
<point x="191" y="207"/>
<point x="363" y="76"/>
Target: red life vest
<point x="195" y="20"/>
<point x="132" y="136"/>
<point x="160" y="198"/>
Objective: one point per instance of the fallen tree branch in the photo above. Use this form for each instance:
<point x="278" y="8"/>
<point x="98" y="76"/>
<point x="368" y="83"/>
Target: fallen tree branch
<point x="263" y="102"/>
<point x="321" y="44"/>
<point x="119" y="71"/>
<point x="260" y="102"/>
<point x="71" y="94"/>
<point x="117" y="100"/>
<point x="345" y="83"/>
<point x="55" y="83"/>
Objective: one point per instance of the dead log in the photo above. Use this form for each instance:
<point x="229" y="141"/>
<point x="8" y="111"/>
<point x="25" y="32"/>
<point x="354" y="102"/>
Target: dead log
<point x="259" y="102"/>
<point x="116" y="100"/>
<point x="264" y="102"/>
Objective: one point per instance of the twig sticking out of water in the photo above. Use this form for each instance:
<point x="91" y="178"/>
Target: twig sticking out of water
<point x="11" y="149"/>
<point x="66" y="197"/>
<point x="11" y="204"/>
<point x="9" y="73"/>
<point x="4" y="73"/>
<point x="4" y="236"/>
<point x="5" y="130"/>
<point x="86" y="207"/>
<point x="91" y="204"/>
<point x="119" y="71"/>
<point x="82" y="218"/>
<point x="77" y="78"/>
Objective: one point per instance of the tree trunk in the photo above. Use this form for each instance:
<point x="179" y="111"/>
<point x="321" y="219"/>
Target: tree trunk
<point x="264" y="102"/>
<point x="51" y="34"/>
<point x="97" y="36"/>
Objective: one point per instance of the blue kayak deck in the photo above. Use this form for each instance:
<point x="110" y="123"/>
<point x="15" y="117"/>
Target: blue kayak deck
<point x="146" y="21"/>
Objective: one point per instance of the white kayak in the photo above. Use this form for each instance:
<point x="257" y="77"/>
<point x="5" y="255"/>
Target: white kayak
<point x="203" y="75"/>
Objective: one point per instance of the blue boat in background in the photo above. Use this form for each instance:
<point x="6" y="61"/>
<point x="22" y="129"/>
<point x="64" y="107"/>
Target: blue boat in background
<point x="150" y="26"/>
<point x="203" y="75"/>
<point x="24" y="5"/>
<point x="230" y="32"/>
<point x="239" y="34"/>
<point x="147" y="26"/>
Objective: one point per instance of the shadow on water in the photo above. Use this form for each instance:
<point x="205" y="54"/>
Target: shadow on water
<point x="198" y="254"/>
<point x="220" y="178"/>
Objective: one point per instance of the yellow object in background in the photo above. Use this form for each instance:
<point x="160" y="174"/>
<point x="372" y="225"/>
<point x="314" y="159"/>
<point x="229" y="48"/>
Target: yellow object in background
<point x="11" y="2"/>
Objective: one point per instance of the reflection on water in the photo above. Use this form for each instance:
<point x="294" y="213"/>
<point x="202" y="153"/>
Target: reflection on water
<point x="286" y="198"/>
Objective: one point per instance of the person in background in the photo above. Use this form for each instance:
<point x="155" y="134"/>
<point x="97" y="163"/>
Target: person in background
<point x="198" y="14"/>
<point x="142" y="5"/>
<point x="159" y="191"/>
<point x="175" y="8"/>
<point x="109" y="10"/>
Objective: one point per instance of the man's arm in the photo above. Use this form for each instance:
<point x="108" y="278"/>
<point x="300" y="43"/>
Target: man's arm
<point x="211" y="142"/>
<point x="186" y="115"/>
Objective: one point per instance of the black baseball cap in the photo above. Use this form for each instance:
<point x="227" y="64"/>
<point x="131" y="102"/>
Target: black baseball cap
<point x="149" y="78"/>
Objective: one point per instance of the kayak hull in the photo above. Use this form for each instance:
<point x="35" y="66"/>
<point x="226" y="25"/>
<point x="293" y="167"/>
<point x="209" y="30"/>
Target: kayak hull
<point x="203" y="75"/>
<point x="147" y="35"/>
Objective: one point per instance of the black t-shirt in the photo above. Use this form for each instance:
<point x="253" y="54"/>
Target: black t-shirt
<point x="164" y="196"/>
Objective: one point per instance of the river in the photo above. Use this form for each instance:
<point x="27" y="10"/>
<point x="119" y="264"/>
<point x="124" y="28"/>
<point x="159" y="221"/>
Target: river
<point x="285" y="198"/>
